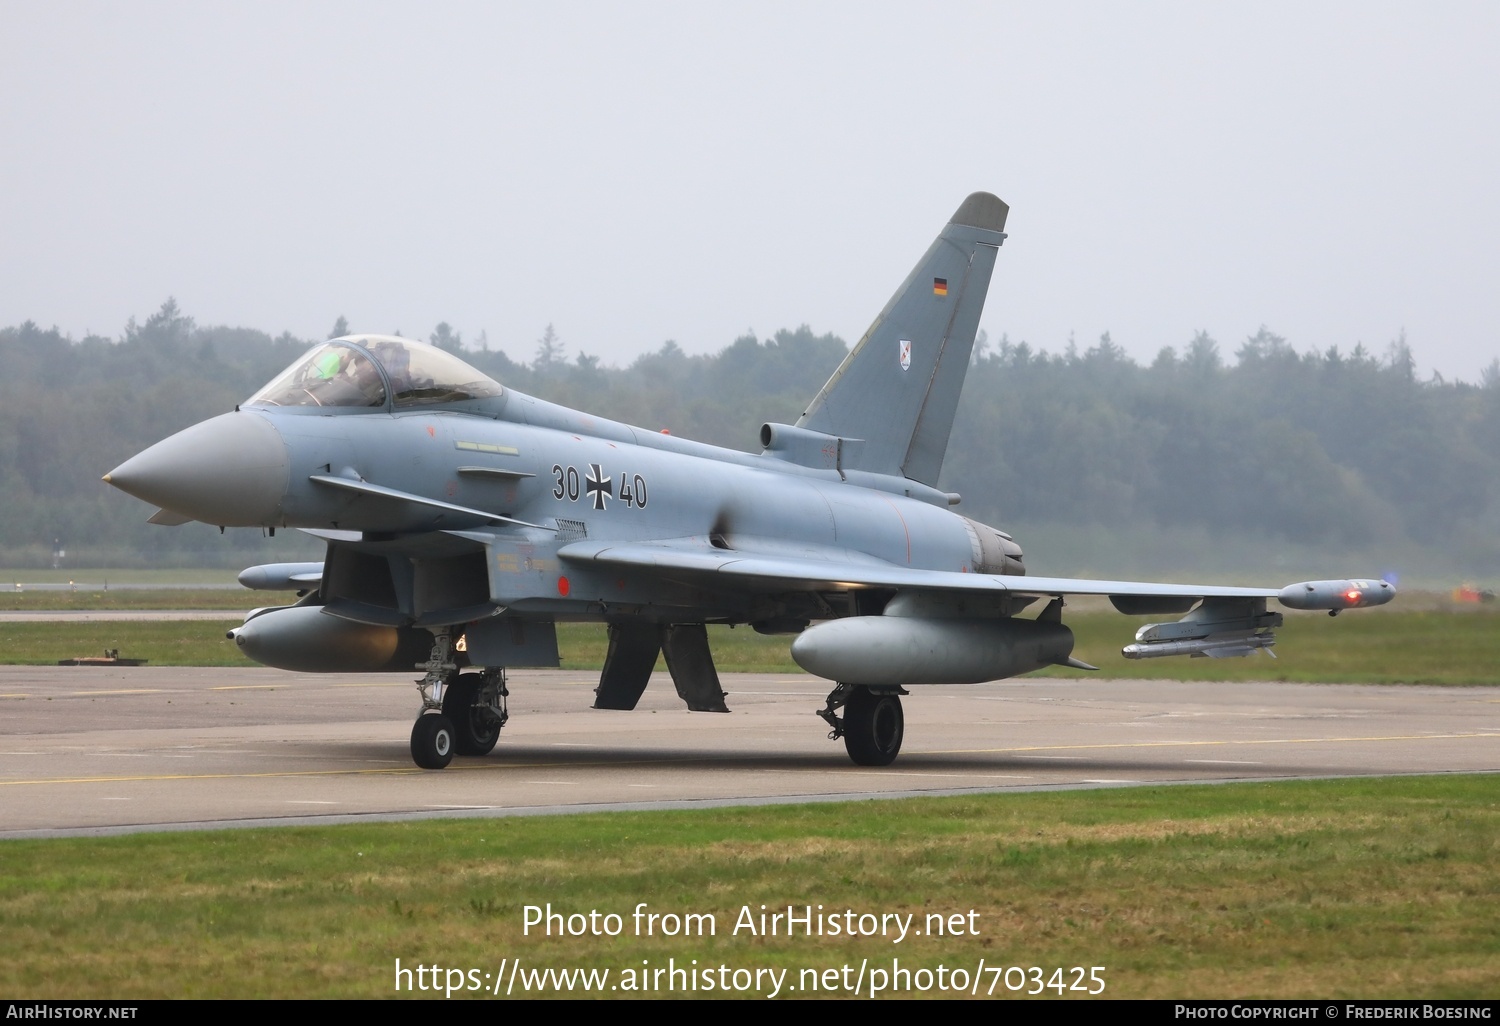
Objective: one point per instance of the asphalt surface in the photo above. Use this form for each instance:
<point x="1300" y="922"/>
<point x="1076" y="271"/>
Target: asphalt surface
<point x="106" y="750"/>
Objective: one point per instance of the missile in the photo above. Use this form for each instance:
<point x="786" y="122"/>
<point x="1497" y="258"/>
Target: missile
<point x="1216" y="646"/>
<point x="894" y="650"/>
<point x="308" y="640"/>
<point x="1218" y="629"/>
<point x="282" y="576"/>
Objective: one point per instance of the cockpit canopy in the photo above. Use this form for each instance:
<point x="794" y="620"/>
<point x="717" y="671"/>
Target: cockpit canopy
<point x="376" y="371"/>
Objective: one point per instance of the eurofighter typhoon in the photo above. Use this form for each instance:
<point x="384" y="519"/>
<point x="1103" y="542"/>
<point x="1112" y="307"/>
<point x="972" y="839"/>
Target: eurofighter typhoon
<point x="464" y="520"/>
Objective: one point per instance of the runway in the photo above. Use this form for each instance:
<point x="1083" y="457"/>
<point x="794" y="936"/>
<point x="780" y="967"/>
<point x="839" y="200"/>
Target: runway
<point x="108" y="750"/>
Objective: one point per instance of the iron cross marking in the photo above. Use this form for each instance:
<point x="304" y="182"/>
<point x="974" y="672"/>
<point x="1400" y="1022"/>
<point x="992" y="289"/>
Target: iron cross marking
<point x="599" y="486"/>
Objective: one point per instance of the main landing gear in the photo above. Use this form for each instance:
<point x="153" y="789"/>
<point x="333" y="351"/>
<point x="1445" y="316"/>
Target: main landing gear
<point x="462" y="713"/>
<point x="872" y="725"/>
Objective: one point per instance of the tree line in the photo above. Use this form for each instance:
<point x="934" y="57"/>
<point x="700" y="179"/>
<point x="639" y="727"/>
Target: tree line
<point x="1328" y="448"/>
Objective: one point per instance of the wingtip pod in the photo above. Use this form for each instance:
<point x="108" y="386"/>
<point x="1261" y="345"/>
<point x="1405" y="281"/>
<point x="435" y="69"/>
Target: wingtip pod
<point x="1336" y="595"/>
<point x="982" y="210"/>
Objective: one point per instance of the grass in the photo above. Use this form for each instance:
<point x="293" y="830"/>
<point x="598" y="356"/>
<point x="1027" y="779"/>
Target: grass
<point x="131" y="577"/>
<point x="159" y="642"/>
<point x="1377" y="647"/>
<point x="236" y="599"/>
<point x="1357" y="888"/>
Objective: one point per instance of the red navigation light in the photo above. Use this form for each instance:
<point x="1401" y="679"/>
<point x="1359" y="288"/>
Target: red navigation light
<point x="1352" y="595"/>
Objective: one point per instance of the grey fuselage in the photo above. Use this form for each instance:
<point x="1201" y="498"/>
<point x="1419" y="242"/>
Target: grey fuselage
<point x="578" y="477"/>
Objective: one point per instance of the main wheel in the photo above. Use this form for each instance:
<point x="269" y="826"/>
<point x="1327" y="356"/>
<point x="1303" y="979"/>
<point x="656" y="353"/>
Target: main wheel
<point x="873" y="727"/>
<point x="476" y="728"/>
<point x="432" y="741"/>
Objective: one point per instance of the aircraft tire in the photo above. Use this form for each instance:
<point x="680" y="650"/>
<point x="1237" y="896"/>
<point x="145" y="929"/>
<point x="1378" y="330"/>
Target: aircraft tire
<point x="475" y="728"/>
<point x="432" y="741"/>
<point x="873" y="727"/>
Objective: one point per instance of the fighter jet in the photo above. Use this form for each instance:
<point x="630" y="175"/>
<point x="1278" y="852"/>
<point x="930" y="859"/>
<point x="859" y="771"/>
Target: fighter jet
<point x="464" y="520"/>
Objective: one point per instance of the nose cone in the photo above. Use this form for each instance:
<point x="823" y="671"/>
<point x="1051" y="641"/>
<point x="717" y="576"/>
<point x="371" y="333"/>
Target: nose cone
<point x="231" y="471"/>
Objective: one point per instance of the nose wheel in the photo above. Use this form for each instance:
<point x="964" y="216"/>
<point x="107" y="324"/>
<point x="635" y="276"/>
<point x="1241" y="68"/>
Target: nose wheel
<point x="432" y="741"/>
<point x="475" y="704"/>
<point x="873" y="723"/>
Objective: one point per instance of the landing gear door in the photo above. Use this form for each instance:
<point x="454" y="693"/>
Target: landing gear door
<point x="510" y="641"/>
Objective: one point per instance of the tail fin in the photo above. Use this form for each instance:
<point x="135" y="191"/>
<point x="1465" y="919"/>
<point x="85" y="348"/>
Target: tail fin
<point x="898" y="389"/>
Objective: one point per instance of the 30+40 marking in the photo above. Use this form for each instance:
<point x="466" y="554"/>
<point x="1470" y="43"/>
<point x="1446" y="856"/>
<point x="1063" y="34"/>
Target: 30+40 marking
<point x="596" y="487"/>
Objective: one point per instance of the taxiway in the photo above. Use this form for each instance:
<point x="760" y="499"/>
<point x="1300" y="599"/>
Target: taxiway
<point x="106" y="750"/>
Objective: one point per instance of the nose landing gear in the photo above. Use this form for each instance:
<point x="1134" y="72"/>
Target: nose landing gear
<point x="432" y="741"/>
<point x="462" y="713"/>
<point x="475" y="703"/>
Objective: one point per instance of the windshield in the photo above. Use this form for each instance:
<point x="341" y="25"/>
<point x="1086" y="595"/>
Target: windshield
<point x="333" y="374"/>
<point x="358" y="372"/>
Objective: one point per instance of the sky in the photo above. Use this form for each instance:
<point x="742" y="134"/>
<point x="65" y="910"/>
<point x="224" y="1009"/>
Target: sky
<point x="633" y="173"/>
